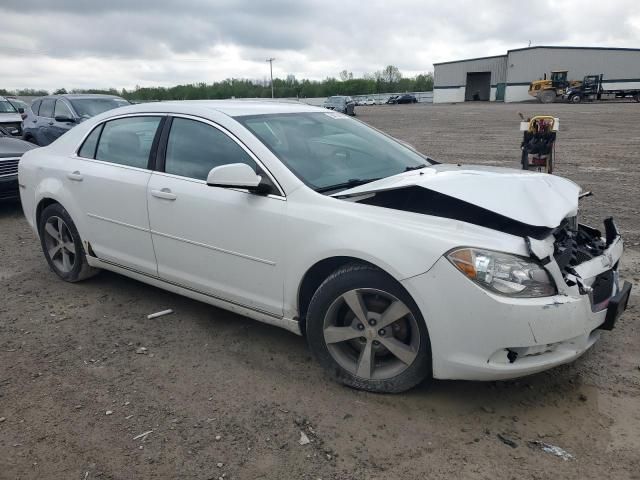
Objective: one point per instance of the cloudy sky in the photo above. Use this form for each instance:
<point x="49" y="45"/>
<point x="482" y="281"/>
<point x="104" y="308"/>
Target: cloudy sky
<point x="123" y="43"/>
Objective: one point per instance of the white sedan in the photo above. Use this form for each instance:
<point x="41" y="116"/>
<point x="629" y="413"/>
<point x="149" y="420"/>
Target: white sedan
<point x="395" y="268"/>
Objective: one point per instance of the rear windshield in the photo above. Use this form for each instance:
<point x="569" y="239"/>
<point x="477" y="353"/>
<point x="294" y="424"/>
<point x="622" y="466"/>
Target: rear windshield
<point x="90" y="107"/>
<point x="6" y="107"/>
<point x="335" y="100"/>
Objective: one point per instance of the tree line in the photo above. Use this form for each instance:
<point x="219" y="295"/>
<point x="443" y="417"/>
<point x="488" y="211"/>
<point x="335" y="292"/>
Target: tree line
<point x="387" y="80"/>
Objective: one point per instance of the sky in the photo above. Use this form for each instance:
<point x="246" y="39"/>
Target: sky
<point x="52" y="44"/>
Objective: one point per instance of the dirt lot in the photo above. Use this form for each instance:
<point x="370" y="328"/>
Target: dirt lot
<point x="227" y="397"/>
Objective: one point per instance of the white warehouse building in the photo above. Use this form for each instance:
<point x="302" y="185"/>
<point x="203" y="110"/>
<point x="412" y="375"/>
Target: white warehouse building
<point x="507" y="77"/>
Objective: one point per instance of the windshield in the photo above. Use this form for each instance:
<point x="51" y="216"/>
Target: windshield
<point x="335" y="100"/>
<point x="6" y="107"/>
<point x="330" y="152"/>
<point x="90" y="107"/>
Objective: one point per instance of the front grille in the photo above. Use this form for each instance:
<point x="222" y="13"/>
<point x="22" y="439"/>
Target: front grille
<point x="8" y="166"/>
<point x="11" y="125"/>
<point x="573" y="247"/>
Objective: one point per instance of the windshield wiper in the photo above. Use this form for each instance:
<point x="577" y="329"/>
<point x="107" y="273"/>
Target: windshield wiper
<point x="417" y="167"/>
<point x="354" y="182"/>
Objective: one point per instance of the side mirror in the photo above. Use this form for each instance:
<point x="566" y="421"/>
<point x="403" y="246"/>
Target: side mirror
<point x="63" y="119"/>
<point x="20" y="110"/>
<point x="234" y="175"/>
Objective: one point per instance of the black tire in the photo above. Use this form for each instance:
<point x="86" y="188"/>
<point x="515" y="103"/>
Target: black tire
<point x="80" y="269"/>
<point x="547" y="96"/>
<point x="575" y="99"/>
<point x="363" y="276"/>
<point x="636" y="97"/>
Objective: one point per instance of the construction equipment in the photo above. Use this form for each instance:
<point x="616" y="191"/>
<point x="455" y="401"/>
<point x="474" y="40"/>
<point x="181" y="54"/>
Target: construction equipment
<point x="538" y="142"/>
<point x="547" y="91"/>
<point x="592" y="88"/>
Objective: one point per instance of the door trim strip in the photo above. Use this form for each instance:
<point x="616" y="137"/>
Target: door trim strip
<point x="217" y="249"/>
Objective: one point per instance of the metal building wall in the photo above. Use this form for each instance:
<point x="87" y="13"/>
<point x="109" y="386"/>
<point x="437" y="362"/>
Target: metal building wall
<point x="450" y="78"/>
<point x="621" y="67"/>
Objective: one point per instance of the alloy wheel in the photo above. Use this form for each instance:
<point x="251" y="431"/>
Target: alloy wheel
<point x="59" y="244"/>
<point x="371" y="334"/>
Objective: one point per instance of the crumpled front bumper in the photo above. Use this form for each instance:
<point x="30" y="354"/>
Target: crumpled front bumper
<point x="478" y="335"/>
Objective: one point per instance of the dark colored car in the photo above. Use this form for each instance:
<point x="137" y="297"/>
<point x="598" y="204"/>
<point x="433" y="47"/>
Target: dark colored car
<point x="341" y="104"/>
<point x="406" y="98"/>
<point x="11" y="149"/>
<point x="50" y="117"/>
<point x="10" y="118"/>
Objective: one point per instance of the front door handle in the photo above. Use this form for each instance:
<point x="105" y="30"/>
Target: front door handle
<point x="75" y="176"/>
<point x="165" y="194"/>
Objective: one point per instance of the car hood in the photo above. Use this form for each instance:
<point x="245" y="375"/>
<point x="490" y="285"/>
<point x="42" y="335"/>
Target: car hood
<point x="10" y="117"/>
<point x="530" y="198"/>
<point x="13" y="147"/>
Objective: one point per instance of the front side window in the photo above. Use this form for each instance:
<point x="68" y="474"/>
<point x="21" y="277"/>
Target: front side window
<point x="194" y="148"/>
<point x="90" y="107"/>
<point x="330" y="152"/>
<point x="128" y="141"/>
<point x="62" y="110"/>
<point x="46" y="107"/>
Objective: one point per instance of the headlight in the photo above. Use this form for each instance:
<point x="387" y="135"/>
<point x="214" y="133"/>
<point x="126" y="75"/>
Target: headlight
<point x="503" y="273"/>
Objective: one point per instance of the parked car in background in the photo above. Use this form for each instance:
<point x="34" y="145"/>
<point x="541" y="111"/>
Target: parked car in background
<point x="369" y="101"/>
<point x="394" y="267"/>
<point x="406" y="98"/>
<point x="19" y="105"/>
<point x="341" y="104"/>
<point x="11" y="149"/>
<point x="50" y="117"/>
<point x="10" y="118"/>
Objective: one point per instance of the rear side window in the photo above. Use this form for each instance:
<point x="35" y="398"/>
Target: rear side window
<point x="35" y="106"/>
<point x="62" y="110"/>
<point x="128" y="141"/>
<point x="194" y="148"/>
<point x="88" y="149"/>
<point x="46" y="107"/>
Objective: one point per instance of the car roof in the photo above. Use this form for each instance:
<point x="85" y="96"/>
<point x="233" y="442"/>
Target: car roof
<point x="74" y="96"/>
<point x="232" y="108"/>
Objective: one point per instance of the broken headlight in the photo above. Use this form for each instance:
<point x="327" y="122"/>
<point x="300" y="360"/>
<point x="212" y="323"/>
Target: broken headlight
<point x="503" y="273"/>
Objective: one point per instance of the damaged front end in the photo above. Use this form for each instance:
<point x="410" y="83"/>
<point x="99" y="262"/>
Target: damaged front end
<point x="583" y="262"/>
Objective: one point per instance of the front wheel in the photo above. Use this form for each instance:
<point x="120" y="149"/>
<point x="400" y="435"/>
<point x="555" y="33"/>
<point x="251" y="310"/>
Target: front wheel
<point x="575" y="99"/>
<point x="62" y="246"/>
<point x="367" y="332"/>
<point x="547" y="96"/>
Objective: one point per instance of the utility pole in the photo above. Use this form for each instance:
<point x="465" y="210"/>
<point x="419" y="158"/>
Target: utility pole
<point x="270" y="60"/>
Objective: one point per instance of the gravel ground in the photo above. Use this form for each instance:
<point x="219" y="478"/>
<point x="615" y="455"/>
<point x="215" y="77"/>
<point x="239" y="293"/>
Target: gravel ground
<point x="224" y="396"/>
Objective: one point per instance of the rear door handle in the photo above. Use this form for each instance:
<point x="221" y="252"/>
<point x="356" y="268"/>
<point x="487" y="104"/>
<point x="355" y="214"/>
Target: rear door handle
<point x="165" y="194"/>
<point x="75" y="176"/>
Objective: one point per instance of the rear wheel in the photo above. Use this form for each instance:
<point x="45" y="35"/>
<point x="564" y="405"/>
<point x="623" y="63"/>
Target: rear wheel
<point x="547" y="96"/>
<point x="367" y="332"/>
<point x="62" y="246"/>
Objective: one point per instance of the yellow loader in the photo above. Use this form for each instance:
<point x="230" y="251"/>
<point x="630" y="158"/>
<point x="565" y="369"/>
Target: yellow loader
<point x="549" y="90"/>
